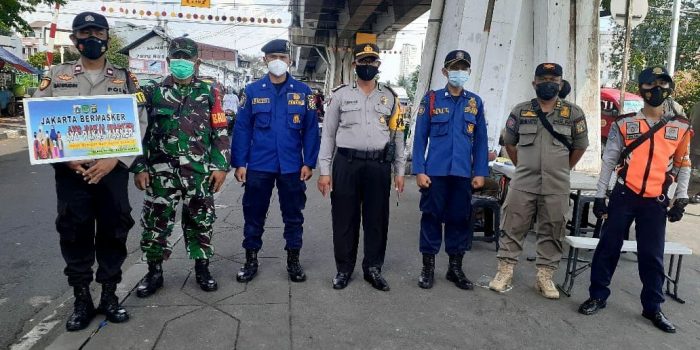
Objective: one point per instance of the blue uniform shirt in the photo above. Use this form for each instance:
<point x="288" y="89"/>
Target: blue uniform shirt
<point x="457" y="133"/>
<point x="276" y="131"/>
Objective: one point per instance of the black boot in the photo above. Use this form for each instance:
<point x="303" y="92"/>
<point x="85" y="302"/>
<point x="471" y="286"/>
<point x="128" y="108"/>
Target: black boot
<point x="203" y="277"/>
<point x="294" y="269"/>
<point x="455" y="273"/>
<point x="109" y="304"/>
<point x="83" y="309"/>
<point x="152" y="280"/>
<point x="427" y="275"/>
<point x="250" y="268"/>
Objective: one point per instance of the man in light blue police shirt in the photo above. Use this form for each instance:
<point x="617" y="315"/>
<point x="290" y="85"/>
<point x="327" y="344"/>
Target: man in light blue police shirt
<point x="275" y="142"/>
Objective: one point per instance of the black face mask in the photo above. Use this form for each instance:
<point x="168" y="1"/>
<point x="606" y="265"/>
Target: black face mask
<point x="655" y="96"/>
<point x="91" y="47"/>
<point x="366" y="72"/>
<point x="547" y="90"/>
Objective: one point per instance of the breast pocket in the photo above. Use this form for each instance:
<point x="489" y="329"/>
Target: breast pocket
<point x="563" y="130"/>
<point x="527" y="134"/>
<point x="295" y="116"/>
<point x="261" y="115"/>
<point x="439" y="125"/>
<point x="383" y="116"/>
<point x="349" y="114"/>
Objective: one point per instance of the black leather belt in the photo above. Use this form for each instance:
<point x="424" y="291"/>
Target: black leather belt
<point x="364" y="155"/>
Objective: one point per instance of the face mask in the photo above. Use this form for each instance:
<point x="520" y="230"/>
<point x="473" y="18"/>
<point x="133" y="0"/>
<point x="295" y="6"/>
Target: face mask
<point x="366" y="72"/>
<point x="277" y="68"/>
<point x="458" y="78"/>
<point x="656" y="95"/>
<point x="92" y="48"/>
<point x="547" y="90"/>
<point x="181" y="69"/>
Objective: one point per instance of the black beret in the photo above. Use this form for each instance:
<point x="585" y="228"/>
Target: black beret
<point x="276" y="46"/>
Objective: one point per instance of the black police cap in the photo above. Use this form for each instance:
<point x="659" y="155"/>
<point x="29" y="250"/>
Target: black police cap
<point x="90" y="19"/>
<point x="364" y="50"/>
<point x="548" y="69"/>
<point x="650" y="75"/>
<point x="276" y="46"/>
<point x="457" y="56"/>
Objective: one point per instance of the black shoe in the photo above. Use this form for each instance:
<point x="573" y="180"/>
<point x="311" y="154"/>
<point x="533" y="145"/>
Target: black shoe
<point x="109" y="304"/>
<point x="294" y="269"/>
<point x="203" y="277"/>
<point x="152" y="280"/>
<point x="456" y="275"/>
<point x="660" y="321"/>
<point x="591" y="306"/>
<point x="427" y="275"/>
<point x="83" y="309"/>
<point x="374" y="277"/>
<point x="250" y="268"/>
<point x="341" y="280"/>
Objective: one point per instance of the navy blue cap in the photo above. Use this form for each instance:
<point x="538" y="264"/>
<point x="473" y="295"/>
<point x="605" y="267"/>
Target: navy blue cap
<point x="456" y="56"/>
<point x="90" y="19"/>
<point x="548" y="69"/>
<point x="650" y="75"/>
<point x="276" y="46"/>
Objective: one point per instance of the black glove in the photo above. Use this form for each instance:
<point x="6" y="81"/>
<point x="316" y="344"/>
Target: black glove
<point x="676" y="212"/>
<point x="600" y="209"/>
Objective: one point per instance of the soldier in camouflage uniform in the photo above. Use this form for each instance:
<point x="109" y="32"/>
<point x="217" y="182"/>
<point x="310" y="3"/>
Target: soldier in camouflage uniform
<point x="186" y="156"/>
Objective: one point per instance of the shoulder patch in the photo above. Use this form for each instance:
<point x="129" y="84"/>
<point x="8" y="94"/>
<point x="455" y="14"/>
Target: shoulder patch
<point x="243" y="99"/>
<point x="311" y="102"/>
<point x="133" y="78"/>
<point x="338" y="87"/>
<point x="45" y="82"/>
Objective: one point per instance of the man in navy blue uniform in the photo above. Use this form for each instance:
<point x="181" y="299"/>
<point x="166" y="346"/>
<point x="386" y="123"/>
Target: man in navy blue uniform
<point x="450" y="157"/>
<point x="275" y="142"/>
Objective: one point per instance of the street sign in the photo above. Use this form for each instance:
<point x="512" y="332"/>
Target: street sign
<point x="196" y="3"/>
<point x="638" y="11"/>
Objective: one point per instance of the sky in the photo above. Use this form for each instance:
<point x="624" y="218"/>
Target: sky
<point x="245" y="38"/>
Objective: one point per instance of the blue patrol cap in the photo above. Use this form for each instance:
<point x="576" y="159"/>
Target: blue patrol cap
<point x="456" y="56"/>
<point x="89" y="19"/>
<point x="650" y="75"/>
<point x="549" y="69"/>
<point x="276" y="46"/>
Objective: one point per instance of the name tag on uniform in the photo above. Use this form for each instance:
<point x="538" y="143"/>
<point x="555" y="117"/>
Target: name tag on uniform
<point x="295" y="99"/>
<point x="443" y="110"/>
<point x="261" y="100"/>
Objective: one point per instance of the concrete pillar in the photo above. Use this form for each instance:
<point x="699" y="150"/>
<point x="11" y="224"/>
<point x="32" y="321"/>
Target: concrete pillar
<point x="506" y="40"/>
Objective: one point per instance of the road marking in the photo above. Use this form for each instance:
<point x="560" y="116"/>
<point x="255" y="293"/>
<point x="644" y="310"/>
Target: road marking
<point x="33" y="336"/>
<point x="39" y="300"/>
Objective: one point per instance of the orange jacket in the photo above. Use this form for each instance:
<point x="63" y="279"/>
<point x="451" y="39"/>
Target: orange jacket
<point x="646" y="170"/>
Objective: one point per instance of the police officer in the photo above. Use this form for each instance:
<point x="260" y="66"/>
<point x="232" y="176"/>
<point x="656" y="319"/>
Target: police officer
<point x="643" y="146"/>
<point x="94" y="215"/>
<point x="545" y="138"/>
<point x="451" y="121"/>
<point x="186" y="156"/>
<point x="362" y="121"/>
<point x="275" y="144"/>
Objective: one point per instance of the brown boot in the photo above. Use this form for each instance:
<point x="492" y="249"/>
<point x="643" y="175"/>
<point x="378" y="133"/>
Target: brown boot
<point x="504" y="276"/>
<point x="544" y="284"/>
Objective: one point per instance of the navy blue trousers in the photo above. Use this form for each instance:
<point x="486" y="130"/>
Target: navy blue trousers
<point x="448" y="200"/>
<point x="649" y="216"/>
<point x="256" y="202"/>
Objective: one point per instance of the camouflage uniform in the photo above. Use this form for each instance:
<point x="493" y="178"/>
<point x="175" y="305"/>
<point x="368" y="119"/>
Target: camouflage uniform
<point x="186" y="140"/>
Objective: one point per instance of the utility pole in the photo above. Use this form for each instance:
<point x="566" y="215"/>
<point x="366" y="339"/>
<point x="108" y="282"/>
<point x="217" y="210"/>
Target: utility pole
<point x="626" y="53"/>
<point x="674" y="37"/>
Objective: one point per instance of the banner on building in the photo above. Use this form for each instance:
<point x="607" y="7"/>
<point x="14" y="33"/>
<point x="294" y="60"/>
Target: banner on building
<point x="61" y="129"/>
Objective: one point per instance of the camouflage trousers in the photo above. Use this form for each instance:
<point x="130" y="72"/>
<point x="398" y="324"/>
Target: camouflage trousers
<point x="166" y="191"/>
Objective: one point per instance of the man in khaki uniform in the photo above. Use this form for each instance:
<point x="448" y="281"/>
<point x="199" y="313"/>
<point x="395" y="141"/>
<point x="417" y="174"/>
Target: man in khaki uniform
<point x="363" y="122"/>
<point x="540" y="186"/>
<point x="94" y="215"/>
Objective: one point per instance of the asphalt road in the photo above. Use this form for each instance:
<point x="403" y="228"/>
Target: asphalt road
<point x="31" y="266"/>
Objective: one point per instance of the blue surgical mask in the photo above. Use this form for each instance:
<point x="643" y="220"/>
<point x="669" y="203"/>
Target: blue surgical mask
<point x="458" y="78"/>
<point x="181" y="69"/>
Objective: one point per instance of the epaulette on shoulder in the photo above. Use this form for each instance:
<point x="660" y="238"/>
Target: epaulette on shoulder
<point x="338" y="87"/>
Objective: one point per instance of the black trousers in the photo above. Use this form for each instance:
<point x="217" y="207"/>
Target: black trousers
<point x="93" y="222"/>
<point x="361" y="190"/>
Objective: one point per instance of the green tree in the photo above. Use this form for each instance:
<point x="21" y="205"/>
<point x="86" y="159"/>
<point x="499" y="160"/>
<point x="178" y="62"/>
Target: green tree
<point x="38" y="59"/>
<point x="11" y="12"/>
<point x="115" y="44"/>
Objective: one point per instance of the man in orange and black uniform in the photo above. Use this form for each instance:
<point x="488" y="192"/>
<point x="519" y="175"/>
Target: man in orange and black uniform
<point x="640" y="193"/>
